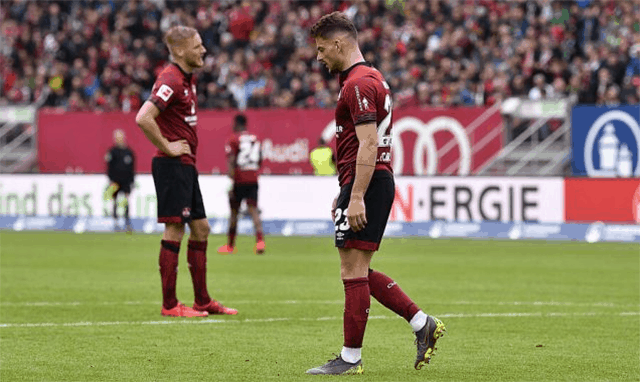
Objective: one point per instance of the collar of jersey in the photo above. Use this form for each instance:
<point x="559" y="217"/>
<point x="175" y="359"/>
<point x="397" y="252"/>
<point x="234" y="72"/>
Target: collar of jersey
<point x="345" y="73"/>
<point x="185" y="74"/>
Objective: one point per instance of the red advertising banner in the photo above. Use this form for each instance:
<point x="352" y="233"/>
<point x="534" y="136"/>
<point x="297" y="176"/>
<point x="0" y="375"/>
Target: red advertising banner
<point x="605" y="200"/>
<point x="426" y="141"/>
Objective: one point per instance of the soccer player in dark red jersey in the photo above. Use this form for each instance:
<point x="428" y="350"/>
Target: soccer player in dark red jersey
<point x="168" y="118"/>
<point x="244" y="159"/>
<point x="361" y="210"/>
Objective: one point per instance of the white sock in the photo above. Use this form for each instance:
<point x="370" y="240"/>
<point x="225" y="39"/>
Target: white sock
<point x="351" y="355"/>
<point x="418" y="321"/>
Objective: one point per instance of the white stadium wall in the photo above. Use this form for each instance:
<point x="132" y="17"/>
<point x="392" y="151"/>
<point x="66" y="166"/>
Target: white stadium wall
<point x="300" y="197"/>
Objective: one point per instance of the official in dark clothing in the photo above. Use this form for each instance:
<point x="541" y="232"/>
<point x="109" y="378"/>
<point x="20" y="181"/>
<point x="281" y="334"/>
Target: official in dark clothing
<point x="121" y="172"/>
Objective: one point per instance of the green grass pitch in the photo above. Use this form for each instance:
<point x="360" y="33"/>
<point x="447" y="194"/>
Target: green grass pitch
<point x="87" y="308"/>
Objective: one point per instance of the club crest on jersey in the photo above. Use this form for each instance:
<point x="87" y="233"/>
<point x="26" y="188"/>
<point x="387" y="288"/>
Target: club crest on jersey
<point x="186" y="212"/>
<point x="186" y="92"/>
<point x="164" y="92"/>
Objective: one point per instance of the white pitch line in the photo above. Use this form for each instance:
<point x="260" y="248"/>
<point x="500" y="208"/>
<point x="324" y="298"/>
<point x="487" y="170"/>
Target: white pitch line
<point x="281" y="319"/>
<point x="324" y="302"/>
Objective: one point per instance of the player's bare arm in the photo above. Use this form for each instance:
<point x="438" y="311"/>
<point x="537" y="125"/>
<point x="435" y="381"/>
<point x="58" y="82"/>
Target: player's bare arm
<point x="231" y="165"/>
<point x="367" y="134"/>
<point x="146" y="120"/>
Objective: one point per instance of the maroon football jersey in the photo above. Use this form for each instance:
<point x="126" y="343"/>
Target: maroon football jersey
<point x="174" y="93"/>
<point x="364" y="97"/>
<point x="246" y="148"/>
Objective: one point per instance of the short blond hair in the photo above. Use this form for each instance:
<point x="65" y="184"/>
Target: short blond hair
<point x="177" y="34"/>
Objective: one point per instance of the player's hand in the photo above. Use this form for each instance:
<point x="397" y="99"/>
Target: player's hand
<point x="334" y="205"/>
<point x="177" y="148"/>
<point x="356" y="214"/>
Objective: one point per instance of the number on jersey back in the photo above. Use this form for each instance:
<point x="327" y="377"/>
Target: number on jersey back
<point x="248" y="158"/>
<point x="246" y="150"/>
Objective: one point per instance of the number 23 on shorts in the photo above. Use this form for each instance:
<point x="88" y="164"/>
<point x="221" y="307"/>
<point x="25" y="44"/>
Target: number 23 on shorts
<point x="344" y="225"/>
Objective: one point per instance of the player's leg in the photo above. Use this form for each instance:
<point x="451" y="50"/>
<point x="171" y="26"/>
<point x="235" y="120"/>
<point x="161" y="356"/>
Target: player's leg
<point x="197" y="256"/>
<point x="234" y="208"/>
<point x="168" y="262"/>
<point x="115" y="207"/>
<point x="197" y="260"/>
<point x="252" y="206"/>
<point x="354" y="265"/>
<point x="127" y="218"/>
<point x="233" y="226"/>
<point x="114" y="214"/>
<point x="173" y="194"/>
<point x="355" y="257"/>
<point x="257" y="224"/>
<point x="426" y="328"/>
<point x="386" y="290"/>
<point x="389" y="294"/>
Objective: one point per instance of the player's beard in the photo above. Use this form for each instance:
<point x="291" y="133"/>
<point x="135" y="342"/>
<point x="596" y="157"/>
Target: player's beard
<point x="335" y="70"/>
<point x="196" y="62"/>
<point x="331" y="68"/>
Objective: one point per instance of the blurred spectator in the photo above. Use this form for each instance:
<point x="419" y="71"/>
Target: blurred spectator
<point x="540" y="89"/>
<point x="103" y="55"/>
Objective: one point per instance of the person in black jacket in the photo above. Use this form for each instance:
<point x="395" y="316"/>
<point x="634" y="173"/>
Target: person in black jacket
<point x="121" y="171"/>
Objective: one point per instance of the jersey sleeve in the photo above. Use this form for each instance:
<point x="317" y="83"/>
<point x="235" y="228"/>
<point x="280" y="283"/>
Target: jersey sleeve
<point x="164" y="91"/>
<point x="231" y="147"/>
<point x="361" y="98"/>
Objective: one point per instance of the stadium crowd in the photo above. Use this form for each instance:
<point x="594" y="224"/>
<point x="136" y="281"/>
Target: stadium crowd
<point x="104" y="55"/>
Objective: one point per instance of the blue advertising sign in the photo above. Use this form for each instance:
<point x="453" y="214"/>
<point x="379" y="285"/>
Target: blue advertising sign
<point x="605" y="141"/>
<point x="592" y="233"/>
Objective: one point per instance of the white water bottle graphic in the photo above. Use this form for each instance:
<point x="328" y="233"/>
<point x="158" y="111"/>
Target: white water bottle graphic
<point x="625" y="169"/>
<point x="608" y="149"/>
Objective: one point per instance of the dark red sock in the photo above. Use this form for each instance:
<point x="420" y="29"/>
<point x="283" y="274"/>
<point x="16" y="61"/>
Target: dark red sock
<point x="232" y="236"/>
<point x="259" y="236"/>
<point x="197" y="259"/>
<point x="169" y="272"/>
<point x="356" y="310"/>
<point x="389" y="294"/>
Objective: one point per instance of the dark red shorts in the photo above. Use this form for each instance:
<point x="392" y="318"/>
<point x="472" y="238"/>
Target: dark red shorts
<point x="378" y="201"/>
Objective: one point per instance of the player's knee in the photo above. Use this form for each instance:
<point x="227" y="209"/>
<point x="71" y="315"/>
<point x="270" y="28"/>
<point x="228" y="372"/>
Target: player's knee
<point x="348" y="268"/>
<point x="345" y="271"/>
<point x="200" y="230"/>
<point x="354" y="263"/>
<point x="173" y="232"/>
<point x="349" y="271"/>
